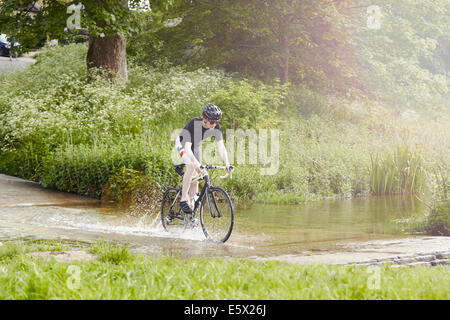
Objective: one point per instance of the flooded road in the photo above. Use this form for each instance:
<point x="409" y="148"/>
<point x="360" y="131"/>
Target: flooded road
<point x="300" y="233"/>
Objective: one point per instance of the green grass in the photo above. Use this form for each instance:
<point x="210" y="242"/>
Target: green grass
<point x="120" y="274"/>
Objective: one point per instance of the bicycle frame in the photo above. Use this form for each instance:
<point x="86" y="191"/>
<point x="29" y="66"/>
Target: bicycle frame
<point x="204" y="176"/>
<point x="214" y="198"/>
<point x="206" y="186"/>
<point x="204" y="190"/>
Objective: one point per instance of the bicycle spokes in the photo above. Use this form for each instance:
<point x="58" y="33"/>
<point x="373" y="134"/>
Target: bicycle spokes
<point x="171" y="215"/>
<point x="216" y="214"/>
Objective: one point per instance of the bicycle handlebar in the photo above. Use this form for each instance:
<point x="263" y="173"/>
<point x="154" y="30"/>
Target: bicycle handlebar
<point x="210" y="167"/>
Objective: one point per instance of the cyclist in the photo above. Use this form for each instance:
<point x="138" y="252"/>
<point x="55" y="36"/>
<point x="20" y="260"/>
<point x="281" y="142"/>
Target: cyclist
<point x="188" y="145"/>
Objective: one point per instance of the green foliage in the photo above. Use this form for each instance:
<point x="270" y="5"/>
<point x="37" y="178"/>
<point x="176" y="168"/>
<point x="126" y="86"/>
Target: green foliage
<point x="404" y="56"/>
<point x="73" y="135"/>
<point x="246" y="183"/>
<point x="321" y="45"/>
<point x="440" y="182"/>
<point x="172" y="95"/>
<point x="122" y="182"/>
<point x="105" y="18"/>
<point x="435" y="222"/>
<point x="291" y="40"/>
<point x="249" y="106"/>
<point x="438" y="221"/>
<point x="85" y="170"/>
<point x="23" y="163"/>
<point x="12" y="249"/>
<point x="9" y="251"/>
<point x="306" y="101"/>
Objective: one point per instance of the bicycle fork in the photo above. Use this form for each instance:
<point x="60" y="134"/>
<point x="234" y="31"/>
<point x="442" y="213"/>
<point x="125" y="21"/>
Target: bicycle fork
<point x="211" y="210"/>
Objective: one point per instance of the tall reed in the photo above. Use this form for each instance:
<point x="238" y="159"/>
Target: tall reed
<point x="400" y="172"/>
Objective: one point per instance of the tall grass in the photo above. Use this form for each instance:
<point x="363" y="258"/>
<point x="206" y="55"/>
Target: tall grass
<point x="119" y="274"/>
<point x="436" y="220"/>
<point x="400" y="172"/>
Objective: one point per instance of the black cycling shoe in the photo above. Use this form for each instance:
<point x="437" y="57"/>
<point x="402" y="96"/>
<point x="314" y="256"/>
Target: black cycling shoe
<point x="185" y="207"/>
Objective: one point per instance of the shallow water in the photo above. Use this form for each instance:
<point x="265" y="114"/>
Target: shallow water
<point x="260" y="231"/>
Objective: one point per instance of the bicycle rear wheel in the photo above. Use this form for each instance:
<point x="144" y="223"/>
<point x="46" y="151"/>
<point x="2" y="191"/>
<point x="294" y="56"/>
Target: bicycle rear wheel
<point x="172" y="217"/>
<point x="217" y="214"/>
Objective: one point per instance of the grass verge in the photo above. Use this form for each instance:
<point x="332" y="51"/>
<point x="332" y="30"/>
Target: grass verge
<point x="118" y="273"/>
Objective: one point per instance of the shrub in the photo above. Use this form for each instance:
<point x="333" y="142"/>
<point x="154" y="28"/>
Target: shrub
<point x="133" y="189"/>
<point x="438" y="221"/>
<point x="249" y="106"/>
<point x="85" y="170"/>
<point x="23" y="163"/>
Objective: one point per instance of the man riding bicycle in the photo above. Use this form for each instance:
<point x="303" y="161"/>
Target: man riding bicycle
<point x="188" y="145"/>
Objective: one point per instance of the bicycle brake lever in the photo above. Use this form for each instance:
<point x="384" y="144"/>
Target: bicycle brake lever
<point x="226" y="175"/>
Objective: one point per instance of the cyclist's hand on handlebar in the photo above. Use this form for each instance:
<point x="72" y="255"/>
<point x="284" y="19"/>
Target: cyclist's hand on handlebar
<point x="229" y="169"/>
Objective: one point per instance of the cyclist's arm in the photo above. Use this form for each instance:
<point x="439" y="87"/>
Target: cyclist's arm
<point x="223" y="152"/>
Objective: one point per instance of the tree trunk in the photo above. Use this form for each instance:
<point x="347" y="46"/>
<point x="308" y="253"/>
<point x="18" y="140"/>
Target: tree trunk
<point x="109" y="54"/>
<point x="283" y="69"/>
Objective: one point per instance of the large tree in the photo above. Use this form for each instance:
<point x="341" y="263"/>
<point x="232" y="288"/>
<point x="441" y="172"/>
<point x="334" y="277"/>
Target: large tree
<point x="295" y="41"/>
<point x="107" y="22"/>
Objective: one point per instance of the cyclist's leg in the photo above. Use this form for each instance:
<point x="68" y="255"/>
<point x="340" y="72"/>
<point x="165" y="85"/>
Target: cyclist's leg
<point x="193" y="188"/>
<point x="189" y="173"/>
<point x="187" y="177"/>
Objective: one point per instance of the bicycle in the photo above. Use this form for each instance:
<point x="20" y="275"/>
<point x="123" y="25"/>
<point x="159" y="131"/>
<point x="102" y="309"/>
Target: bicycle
<point x="216" y="208"/>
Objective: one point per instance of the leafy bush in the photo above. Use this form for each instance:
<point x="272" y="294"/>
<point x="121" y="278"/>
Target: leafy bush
<point x="84" y="170"/>
<point x="133" y="189"/>
<point x="438" y="221"/>
<point x="249" y="106"/>
<point x="23" y="163"/>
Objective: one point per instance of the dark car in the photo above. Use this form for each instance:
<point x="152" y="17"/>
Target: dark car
<point x="5" y="47"/>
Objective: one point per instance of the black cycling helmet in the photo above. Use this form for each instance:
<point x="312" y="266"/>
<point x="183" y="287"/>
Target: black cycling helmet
<point x="212" y="112"/>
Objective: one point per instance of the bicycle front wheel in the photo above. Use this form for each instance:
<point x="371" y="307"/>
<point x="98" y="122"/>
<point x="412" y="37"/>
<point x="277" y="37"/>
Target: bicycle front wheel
<point x="217" y="214"/>
<point x="172" y="216"/>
